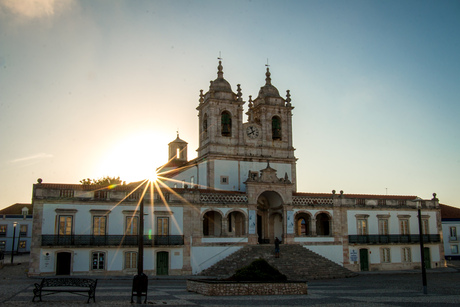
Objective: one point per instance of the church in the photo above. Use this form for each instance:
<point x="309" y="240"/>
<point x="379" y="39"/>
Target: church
<point x="240" y="192"/>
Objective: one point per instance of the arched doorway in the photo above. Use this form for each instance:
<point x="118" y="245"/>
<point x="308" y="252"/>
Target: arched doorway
<point x="236" y="222"/>
<point x="323" y="224"/>
<point x="269" y="217"/>
<point x="63" y="263"/>
<point x="212" y="224"/>
<point x="302" y="224"/>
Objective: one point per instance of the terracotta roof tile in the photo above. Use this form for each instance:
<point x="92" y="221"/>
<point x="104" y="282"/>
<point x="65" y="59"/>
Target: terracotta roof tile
<point x="449" y="212"/>
<point x="16" y="209"/>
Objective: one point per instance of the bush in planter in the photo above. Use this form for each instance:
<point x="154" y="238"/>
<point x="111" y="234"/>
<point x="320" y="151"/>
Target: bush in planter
<point x="258" y="270"/>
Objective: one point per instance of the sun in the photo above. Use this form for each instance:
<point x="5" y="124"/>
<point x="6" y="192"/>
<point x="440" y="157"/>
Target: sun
<point x="153" y="177"/>
<point x="134" y="158"/>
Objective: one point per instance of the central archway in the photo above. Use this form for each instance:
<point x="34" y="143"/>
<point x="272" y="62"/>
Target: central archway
<point x="269" y="217"/>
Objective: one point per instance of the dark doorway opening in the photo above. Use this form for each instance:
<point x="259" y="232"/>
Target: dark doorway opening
<point x="63" y="262"/>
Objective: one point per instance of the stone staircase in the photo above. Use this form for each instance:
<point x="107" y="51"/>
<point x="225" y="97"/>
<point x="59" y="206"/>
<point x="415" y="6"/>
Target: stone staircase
<point x="296" y="262"/>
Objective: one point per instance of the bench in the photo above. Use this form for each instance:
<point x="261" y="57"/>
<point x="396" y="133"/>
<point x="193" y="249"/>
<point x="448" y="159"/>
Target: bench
<point x="70" y="285"/>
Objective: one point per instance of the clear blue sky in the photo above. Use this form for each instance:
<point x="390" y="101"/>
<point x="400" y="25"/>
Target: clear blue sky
<point x="95" y="88"/>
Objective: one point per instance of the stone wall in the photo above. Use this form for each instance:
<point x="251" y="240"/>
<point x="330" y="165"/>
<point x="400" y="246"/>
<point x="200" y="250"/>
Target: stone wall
<point x="222" y="288"/>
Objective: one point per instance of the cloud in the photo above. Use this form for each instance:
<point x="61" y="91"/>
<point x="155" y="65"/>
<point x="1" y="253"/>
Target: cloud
<point x="38" y="156"/>
<point x="34" y="9"/>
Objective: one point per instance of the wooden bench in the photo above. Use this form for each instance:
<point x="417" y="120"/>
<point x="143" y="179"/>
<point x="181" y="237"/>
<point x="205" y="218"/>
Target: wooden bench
<point x="77" y="286"/>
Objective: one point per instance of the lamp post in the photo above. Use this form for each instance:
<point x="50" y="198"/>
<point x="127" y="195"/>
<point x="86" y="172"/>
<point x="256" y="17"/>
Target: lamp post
<point x="140" y="281"/>
<point x="12" y="244"/>
<point x="422" y="254"/>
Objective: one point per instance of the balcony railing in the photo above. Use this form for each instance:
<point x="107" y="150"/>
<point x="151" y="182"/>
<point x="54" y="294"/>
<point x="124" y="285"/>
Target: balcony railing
<point x="109" y="240"/>
<point x="388" y="239"/>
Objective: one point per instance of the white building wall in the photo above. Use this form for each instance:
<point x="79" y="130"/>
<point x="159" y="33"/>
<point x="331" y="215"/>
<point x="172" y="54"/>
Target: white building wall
<point x="81" y="259"/>
<point x="451" y="244"/>
<point x="7" y="241"/>
<point x="183" y="178"/>
<point x="393" y="221"/>
<point x="115" y="219"/>
<point x="202" y="175"/>
<point x="331" y="252"/>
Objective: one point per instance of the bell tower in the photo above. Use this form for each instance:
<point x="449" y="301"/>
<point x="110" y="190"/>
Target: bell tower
<point x="270" y="116"/>
<point x="220" y="117"/>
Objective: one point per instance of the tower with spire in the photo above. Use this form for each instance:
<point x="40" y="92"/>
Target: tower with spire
<point x="220" y="116"/>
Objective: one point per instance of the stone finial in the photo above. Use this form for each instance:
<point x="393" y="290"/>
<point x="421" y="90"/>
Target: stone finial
<point x="220" y="73"/>
<point x="333" y="192"/>
<point x="238" y="90"/>
<point x="268" y="80"/>
<point x="434" y="197"/>
<point x="201" y="96"/>
<point x="250" y="105"/>
<point x="39" y="180"/>
<point x="288" y="98"/>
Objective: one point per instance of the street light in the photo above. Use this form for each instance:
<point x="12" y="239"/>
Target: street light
<point x="12" y="245"/>
<point x="422" y="254"/>
<point x="140" y="281"/>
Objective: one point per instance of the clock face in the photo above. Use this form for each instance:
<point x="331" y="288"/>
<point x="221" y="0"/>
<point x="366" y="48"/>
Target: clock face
<point x="252" y="132"/>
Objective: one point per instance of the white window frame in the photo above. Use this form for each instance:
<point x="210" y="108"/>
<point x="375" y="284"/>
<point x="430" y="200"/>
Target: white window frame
<point x="224" y="180"/>
<point x="362" y="225"/>
<point x="5" y="227"/>
<point x="406" y="254"/>
<point x="65" y="213"/>
<point x="384" y="222"/>
<point x="385" y="255"/>
<point x="404" y="225"/>
<point x="161" y="226"/>
<point x="453" y="233"/>
<point x="130" y="260"/>
<point x="104" y="260"/>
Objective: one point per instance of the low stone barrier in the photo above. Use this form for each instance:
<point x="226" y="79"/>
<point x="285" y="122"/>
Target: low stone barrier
<point x="221" y="288"/>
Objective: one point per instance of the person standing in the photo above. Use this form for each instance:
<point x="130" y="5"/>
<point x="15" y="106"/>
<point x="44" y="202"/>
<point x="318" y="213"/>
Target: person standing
<point x="277" y="247"/>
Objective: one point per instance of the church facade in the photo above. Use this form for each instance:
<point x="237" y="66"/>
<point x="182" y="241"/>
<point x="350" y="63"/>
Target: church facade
<point x="240" y="190"/>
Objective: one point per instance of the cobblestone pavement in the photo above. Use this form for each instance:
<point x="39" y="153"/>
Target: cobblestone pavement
<point x="367" y="289"/>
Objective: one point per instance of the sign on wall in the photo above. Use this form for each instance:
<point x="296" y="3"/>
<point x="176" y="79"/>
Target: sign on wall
<point x="252" y="222"/>
<point x="290" y="222"/>
<point x="353" y="255"/>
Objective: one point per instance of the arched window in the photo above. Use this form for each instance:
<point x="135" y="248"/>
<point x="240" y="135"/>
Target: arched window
<point x="212" y="224"/>
<point x="205" y="124"/>
<point x="323" y="224"/>
<point x="226" y="124"/>
<point x="302" y="225"/>
<point x="276" y="128"/>
<point x="236" y="224"/>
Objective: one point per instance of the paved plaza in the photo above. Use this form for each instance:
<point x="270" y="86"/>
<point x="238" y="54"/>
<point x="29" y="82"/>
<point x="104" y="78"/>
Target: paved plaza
<point x="367" y="289"/>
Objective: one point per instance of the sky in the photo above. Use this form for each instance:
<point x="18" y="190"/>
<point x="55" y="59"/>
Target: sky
<point x="99" y="88"/>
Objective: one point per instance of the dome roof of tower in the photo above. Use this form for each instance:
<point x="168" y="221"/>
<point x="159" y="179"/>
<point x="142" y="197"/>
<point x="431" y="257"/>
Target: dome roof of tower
<point x="220" y="84"/>
<point x="178" y="140"/>
<point x="268" y="90"/>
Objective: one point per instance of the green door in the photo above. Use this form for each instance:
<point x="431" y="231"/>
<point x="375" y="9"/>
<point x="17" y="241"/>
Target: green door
<point x="426" y="255"/>
<point x="364" y="259"/>
<point x="162" y="263"/>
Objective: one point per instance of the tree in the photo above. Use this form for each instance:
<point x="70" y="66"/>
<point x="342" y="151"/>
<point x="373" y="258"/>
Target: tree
<point x="107" y="180"/>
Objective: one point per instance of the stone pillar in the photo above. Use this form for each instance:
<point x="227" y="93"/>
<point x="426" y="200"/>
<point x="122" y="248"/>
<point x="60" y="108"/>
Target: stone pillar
<point x="35" y="247"/>
<point x="313" y="226"/>
<point x="188" y="241"/>
<point x="225" y="232"/>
